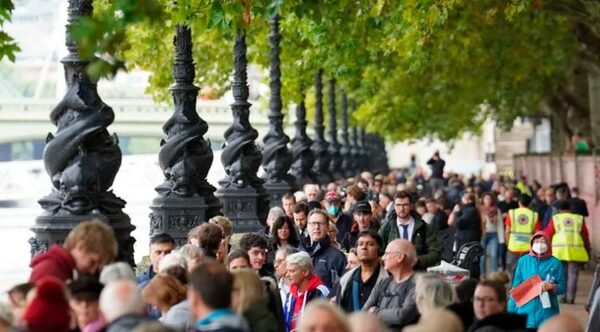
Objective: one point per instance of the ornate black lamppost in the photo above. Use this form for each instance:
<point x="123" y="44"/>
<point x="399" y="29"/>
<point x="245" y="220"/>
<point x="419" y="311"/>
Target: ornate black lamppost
<point x="345" y="151"/>
<point x="355" y="151"/>
<point x="320" y="146"/>
<point x="82" y="158"/>
<point x="364" y="150"/>
<point x="277" y="158"/>
<point x="303" y="156"/>
<point x="334" y="146"/>
<point x="245" y="201"/>
<point x="185" y="199"/>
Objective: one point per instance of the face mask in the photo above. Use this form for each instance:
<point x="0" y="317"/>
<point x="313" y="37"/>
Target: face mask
<point x="333" y="210"/>
<point x="539" y="248"/>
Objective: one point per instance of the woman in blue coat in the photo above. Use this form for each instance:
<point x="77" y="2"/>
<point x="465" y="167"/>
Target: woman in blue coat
<point x="541" y="262"/>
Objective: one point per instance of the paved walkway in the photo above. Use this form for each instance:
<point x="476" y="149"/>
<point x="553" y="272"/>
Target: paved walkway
<point x="583" y="289"/>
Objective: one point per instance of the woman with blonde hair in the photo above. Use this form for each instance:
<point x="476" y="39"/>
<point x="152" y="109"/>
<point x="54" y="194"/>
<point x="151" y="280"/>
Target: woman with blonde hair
<point x="247" y="299"/>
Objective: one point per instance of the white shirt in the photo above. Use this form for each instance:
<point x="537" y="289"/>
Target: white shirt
<point x="411" y="227"/>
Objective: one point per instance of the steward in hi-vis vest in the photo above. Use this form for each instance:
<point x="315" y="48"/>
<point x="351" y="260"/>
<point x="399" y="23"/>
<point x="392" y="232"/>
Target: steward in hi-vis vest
<point x="570" y="244"/>
<point x="520" y="224"/>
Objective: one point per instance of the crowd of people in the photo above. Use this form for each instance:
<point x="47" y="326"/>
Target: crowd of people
<point x="350" y="256"/>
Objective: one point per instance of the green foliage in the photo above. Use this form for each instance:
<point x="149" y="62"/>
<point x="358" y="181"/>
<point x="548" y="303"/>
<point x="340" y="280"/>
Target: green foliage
<point x="415" y="68"/>
<point x="8" y="47"/>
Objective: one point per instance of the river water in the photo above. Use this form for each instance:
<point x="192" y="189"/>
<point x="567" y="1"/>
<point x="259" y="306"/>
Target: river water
<point x="24" y="182"/>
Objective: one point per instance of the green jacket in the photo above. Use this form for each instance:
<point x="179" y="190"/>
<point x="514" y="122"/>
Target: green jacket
<point x="423" y="238"/>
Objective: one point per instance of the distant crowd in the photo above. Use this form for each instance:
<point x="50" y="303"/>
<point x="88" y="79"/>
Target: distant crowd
<point x="350" y="256"/>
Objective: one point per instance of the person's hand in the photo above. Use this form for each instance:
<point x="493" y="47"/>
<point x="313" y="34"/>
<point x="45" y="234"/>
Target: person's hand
<point x="549" y="286"/>
<point x="333" y="300"/>
<point x="456" y="208"/>
<point x="372" y="309"/>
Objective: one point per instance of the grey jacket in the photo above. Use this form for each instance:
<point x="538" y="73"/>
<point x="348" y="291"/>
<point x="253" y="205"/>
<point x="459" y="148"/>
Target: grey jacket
<point x="346" y="279"/>
<point x="179" y="317"/>
<point x="394" y="302"/>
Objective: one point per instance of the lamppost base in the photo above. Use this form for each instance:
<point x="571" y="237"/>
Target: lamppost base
<point x="176" y="216"/>
<point x="276" y="190"/>
<point x="240" y="206"/>
<point x="52" y="229"/>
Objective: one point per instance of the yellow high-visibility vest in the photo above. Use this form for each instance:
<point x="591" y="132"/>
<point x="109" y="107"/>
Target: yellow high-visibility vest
<point x="522" y="223"/>
<point x="567" y="242"/>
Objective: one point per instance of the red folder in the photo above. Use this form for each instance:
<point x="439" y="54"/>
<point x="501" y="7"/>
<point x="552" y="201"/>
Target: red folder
<point x="527" y="290"/>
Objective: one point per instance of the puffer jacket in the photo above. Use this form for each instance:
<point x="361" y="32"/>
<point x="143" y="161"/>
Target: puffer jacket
<point x="547" y="267"/>
<point x="328" y="262"/>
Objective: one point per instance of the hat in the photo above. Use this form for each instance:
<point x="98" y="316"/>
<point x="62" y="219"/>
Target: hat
<point x="332" y="196"/>
<point x="85" y="288"/>
<point x="49" y="309"/>
<point x="363" y="206"/>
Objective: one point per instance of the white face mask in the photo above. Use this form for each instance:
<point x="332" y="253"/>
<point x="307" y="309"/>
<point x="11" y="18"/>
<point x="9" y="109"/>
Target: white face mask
<point x="539" y="248"/>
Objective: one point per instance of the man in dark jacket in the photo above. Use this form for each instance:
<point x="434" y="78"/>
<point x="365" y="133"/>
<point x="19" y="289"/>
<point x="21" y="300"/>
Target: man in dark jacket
<point x="413" y="229"/>
<point x="342" y="221"/>
<point x="362" y="222"/>
<point x="356" y="285"/>
<point x="437" y="172"/>
<point x="328" y="263"/>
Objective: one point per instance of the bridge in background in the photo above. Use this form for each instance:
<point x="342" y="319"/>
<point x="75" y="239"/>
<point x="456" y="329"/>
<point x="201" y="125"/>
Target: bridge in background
<point x="26" y="121"/>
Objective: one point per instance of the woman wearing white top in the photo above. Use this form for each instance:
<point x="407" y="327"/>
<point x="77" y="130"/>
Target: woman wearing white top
<point x="493" y="231"/>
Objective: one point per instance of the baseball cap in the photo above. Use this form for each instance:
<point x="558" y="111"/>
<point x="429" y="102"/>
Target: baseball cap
<point x="332" y="196"/>
<point x="362" y="206"/>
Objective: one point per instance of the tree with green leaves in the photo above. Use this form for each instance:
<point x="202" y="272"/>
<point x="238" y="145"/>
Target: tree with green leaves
<point x="8" y="47"/>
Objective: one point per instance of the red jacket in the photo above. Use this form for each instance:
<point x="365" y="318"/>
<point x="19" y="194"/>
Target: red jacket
<point x="57" y="262"/>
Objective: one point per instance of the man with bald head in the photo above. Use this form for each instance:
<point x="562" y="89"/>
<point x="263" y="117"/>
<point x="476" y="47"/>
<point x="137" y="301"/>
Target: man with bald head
<point x="393" y="299"/>
<point x="561" y="323"/>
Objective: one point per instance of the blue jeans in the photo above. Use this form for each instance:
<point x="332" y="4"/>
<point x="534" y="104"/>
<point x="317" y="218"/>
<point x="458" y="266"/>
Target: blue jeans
<point x="490" y="246"/>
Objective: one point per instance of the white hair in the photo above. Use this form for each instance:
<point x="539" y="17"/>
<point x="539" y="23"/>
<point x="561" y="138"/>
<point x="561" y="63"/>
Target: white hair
<point x="121" y="298"/>
<point x="189" y="251"/>
<point x="116" y="271"/>
<point x="173" y="259"/>
<point x="300" y="197"/>
<point x="286" y="250"/>
<point x="301" y="259"/>
<point x="274" y="213"/>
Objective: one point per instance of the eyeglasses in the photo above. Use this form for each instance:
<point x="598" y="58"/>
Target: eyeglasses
<point x="402" y="205"/>
<point x="317" y="223"/>
<point x="278" y="261"/>
<point x="484" y="300"/>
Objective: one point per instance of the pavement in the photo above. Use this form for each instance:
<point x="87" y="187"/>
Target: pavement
<point x="583" y="289"/>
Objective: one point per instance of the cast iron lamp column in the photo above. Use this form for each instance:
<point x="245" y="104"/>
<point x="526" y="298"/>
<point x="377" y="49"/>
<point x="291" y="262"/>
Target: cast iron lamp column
<point x="82" y="158"/>
<point x="277" y="158"/>
<point x="303" y="156"/>
<point x="334" y="146"/>
<point x="245" y="201"/>
<point x="320" y="145"/>
<point x="346" y="149"/>
<point x="185" y="199"/>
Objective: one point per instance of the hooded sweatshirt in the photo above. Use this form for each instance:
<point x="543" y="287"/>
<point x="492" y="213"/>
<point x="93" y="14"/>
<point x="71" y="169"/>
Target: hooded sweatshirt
<point x="297" y="300"/>
<point x="550" y="269"/>
<point x="57" y="262"/>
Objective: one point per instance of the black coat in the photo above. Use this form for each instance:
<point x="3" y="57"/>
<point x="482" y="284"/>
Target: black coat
<point x="468" y="225"/>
